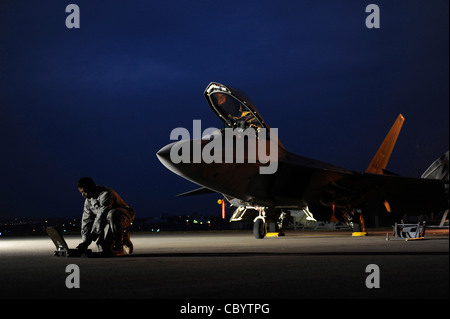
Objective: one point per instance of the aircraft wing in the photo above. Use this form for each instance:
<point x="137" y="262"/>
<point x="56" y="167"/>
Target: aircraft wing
<point x="318" y="184"/>
<point x="408" y="195"/>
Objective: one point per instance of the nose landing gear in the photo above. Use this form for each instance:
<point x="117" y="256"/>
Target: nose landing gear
<point x="259" y="228"/>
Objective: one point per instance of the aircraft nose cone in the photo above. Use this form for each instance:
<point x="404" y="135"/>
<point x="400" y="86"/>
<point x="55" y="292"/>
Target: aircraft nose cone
<point x="164" y="156"/>
<point x="171" y="157"/>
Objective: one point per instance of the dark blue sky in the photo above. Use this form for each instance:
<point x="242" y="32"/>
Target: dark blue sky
<point x="102" y="100"/>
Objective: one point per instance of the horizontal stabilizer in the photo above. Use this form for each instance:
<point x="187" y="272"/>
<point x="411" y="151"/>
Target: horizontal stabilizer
<point x="198" y="191"/>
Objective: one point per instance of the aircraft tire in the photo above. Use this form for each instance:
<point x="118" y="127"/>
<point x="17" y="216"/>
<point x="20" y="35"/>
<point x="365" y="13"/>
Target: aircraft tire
<point x="259" y="229"/>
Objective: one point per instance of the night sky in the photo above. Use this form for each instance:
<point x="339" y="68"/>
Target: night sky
<point x="101" y="100"/>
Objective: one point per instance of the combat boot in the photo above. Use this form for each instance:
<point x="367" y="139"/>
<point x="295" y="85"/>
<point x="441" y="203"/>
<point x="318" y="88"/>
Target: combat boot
<point x="117" y="250"/>
<point x="127" y="244"/>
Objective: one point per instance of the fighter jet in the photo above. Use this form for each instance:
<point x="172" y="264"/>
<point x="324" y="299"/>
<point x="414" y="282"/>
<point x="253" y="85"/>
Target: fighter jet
<point x="247" y="163"/>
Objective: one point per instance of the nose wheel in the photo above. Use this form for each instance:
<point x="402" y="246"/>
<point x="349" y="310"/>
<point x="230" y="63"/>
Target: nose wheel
<point x="259" y="228"/>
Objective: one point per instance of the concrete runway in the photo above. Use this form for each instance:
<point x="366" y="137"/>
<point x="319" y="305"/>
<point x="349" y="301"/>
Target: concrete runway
<point x="232" y="265"/>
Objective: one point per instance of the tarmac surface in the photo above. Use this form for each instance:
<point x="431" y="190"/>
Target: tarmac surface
<point x="232" y="265"/>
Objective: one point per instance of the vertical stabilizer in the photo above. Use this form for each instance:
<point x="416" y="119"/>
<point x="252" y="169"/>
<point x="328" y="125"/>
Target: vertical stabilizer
<point x="381" y="158"/>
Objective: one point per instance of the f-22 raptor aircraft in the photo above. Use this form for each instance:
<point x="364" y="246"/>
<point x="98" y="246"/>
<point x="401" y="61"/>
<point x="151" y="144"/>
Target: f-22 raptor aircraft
<point x="297" y="182"/>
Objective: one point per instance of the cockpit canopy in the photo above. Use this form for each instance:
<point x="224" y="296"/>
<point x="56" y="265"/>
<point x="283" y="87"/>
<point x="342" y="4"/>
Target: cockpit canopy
<point x="233" y="107"/>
